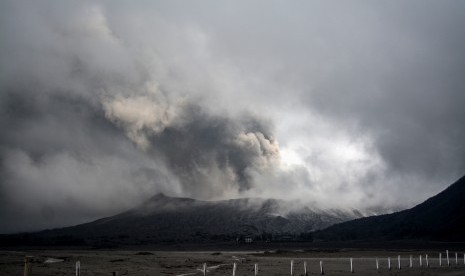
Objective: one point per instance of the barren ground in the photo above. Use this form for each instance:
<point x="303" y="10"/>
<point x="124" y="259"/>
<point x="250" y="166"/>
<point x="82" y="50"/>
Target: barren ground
<point x="99" y="262"/>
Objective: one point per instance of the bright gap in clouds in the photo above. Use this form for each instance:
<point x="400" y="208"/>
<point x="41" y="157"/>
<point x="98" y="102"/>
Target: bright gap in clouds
<point x="326" y="159"/>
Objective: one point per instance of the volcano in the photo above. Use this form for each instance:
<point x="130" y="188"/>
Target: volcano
<point x="164" y="219"/>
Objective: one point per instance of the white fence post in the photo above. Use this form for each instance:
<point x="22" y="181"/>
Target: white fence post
<point x="440" y="259"/>
<point x="456" y="258"/>
<point x="305" y="268"/>
<point x="321" y="268"/>
<point x="377" y="264"/>
<point x="411" y="261"/>
<point x="427" y="262"/>
<point x="234" y="269"/>
<point x="28" y="265"/>
<point x="447" y="254"/>
<point x="389" y="263"/>
<point x="292" y="267"/>
<point x="256" y="269"/>
<point x="398" y="262"/>
<point x="351" y="266"/>
<point x="204" y="269"/>
<point x="421" y="263"/>
<point x="78" y="268"/>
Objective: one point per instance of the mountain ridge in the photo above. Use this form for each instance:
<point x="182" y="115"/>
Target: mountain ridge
<point x="439" y="218"/>
<point x="164" y="219"/>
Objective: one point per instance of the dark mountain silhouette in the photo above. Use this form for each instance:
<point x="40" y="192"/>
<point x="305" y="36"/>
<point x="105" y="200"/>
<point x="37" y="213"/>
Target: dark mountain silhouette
<point x="164" y="219"/>
<point x="440" y="218"/>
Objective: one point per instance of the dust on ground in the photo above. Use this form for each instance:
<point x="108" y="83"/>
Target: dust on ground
<point x="270" y="263"/>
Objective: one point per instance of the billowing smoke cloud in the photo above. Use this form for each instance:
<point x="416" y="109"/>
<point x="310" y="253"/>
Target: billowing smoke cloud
<point x="89" y="129"/>
<point x="212" y="155"/>
<point x="216" y="155"/>
<point x="104" y="104"/>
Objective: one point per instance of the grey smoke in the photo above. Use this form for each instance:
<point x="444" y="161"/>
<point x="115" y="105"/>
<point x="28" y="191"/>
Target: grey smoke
<point x="103" y="104"/>
<point x="211" y="153"/>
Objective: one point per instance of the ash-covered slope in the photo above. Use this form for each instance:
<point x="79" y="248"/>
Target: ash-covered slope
<point x="440" y="218"/>
<point x="168" y="219"/>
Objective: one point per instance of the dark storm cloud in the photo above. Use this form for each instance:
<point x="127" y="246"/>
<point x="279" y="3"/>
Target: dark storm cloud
<point x="104" y="104"/>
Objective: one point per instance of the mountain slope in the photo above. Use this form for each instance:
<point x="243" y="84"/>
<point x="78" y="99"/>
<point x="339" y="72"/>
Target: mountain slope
<point x="167" y="219"/>
<point x="440" y="218"/>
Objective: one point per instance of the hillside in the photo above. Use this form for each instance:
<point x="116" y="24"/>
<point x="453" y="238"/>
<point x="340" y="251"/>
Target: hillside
<point x="440" y="218"/>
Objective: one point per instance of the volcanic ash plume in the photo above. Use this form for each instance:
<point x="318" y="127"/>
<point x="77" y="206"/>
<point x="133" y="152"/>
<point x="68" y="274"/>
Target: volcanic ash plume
<point x="212" y="155"/>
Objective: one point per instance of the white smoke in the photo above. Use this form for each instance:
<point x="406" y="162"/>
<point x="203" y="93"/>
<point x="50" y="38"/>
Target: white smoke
<point x="143" y="113"/>
<point x="265" y="151"/>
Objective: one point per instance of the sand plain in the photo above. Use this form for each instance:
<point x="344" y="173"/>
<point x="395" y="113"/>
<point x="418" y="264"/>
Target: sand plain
<point x="270" y="263"/>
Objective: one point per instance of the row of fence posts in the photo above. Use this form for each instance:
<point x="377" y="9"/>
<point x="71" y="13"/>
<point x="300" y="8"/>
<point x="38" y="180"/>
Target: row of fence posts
<point x="256" y="268"/>
<point x="322" y="271"/>
<point x="305" y="268"/>
<point x="420" y="259"/>
<point x="28" y="265"/>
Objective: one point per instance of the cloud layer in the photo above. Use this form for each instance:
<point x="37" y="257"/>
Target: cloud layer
<point x="104" y="104"/>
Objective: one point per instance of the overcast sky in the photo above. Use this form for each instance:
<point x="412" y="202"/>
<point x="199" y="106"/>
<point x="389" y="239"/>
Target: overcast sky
<point x="341" y="104"/>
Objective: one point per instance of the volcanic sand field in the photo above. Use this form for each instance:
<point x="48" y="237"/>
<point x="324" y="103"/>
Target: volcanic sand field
<point x="98" y="262"/>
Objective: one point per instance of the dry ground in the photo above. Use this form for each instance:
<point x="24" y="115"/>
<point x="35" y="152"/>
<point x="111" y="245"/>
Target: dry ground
<point x="220" y="263"/>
